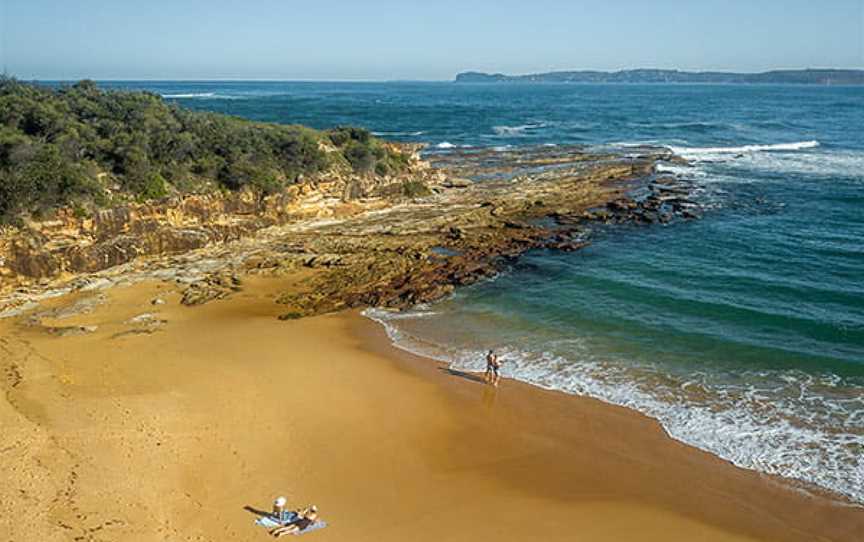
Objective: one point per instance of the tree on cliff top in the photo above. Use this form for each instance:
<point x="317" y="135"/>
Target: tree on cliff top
<point x="80" y="145"/>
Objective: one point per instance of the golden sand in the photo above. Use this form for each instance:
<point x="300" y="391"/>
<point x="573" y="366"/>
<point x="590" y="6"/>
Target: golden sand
<point x="186" y="432"/>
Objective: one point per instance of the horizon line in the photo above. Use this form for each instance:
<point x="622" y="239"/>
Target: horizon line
<point x="224" y="80"/>
<point x="410" y="80"/>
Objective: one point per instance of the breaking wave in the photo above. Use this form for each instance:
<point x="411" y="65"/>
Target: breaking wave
<point x="702" y="152"/>
<point x="192" y="95"/>
<point x="794" y="429"/>
<point x="819" y="165"/>
<point x="516" y="131"/>
<point x="780" y="159"/>
<point x="398" y="134"/>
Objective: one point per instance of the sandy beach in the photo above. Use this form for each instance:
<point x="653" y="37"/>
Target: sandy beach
<point x="187" y="428"/>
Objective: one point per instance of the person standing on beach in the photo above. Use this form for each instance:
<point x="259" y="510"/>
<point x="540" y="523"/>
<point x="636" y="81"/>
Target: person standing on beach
<point x="493" y="364"/>
<point x="490" y="363"/>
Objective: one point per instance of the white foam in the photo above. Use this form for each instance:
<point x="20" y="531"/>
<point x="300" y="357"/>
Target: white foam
<point x="817" y="165"/>
<point x="628" y="144"/>
<point x="787" y="430"/>
<point x="676" y="169"/>
<point x="735" y="167"/>
<point x="191" y="95"/>
<point x="397" y="134"/>
<point x="735" y="164"/>
<point x="697" y="153"/>
<point x="445" y="145"/>
<point x="515" y="131"/>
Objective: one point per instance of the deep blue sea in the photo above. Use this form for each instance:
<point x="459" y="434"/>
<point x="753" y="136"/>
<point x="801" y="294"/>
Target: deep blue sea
<point x="742" y="333"/>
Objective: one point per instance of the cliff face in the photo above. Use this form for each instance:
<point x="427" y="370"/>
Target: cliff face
<point x="71" y="244"/>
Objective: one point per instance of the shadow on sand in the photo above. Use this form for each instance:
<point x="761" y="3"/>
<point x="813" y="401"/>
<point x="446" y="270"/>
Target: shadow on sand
<point x="462" y="374"/>
<point x="255" y="511"/>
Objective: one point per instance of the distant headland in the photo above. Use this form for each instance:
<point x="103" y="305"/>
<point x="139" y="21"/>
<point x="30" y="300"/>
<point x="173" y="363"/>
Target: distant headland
<point x="802" y="77"/>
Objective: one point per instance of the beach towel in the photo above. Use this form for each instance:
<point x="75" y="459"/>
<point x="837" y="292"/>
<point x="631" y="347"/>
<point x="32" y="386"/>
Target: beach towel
<point x="271" y="522"/>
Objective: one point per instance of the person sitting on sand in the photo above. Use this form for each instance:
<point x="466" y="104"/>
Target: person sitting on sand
<point x="305" y="518"/>
<point x="279" y="508"/>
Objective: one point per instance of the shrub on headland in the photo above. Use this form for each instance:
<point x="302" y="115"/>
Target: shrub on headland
<point x="415" y="189"/>
<point x="82" y="146"/>
<point x="365" y="153"/>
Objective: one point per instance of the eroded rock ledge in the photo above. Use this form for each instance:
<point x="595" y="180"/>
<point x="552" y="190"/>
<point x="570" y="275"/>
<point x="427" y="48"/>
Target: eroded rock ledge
<point x="354" y="245"/>
<point x="520" y="200"/>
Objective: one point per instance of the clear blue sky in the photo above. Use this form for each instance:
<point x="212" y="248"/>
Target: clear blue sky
<point x="408" y="39"/>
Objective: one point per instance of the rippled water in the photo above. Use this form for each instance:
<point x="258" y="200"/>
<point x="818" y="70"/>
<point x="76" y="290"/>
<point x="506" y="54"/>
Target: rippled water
<point x="742" y="333"/>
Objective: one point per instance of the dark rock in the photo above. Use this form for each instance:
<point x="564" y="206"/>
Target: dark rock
<point x="456" y="183"/>
<point x="71" y="331"/>
<point x="211" y="288"/>
<point x="621" y="205"/>
<point x="690" y="215"/>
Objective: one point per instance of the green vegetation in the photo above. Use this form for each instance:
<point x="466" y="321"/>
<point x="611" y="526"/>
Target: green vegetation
<point x="415" y="189"/>
<point x="365" y="153"/>
<point x="83" y="147"/>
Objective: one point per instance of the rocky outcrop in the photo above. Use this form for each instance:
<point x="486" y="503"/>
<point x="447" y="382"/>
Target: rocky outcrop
<point x="540" y="199"/>
<point x="215" y="286"/>
<point x="382" y="249"/>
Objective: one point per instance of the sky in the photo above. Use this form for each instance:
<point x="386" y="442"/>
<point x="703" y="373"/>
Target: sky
<point x="418" y="40"/>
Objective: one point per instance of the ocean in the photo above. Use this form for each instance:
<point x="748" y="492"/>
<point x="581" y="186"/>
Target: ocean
<point x="742" y="333"/>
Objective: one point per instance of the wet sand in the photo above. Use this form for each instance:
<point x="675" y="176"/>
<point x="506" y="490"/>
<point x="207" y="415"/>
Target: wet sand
<point x="187" y="432"/>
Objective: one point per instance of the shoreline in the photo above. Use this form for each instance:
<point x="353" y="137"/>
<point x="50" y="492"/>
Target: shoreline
<point x="439" y="355"/>
<point x="124" y="434"/>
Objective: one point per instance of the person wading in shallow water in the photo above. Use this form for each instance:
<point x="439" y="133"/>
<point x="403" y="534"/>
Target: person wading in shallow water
<point x="493" y="366"/>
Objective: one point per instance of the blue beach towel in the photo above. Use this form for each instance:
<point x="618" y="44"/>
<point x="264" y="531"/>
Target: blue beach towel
<point x="271" y="522"/>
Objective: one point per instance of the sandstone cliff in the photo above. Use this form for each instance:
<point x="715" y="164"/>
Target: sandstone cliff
<point x="68" y="243"/>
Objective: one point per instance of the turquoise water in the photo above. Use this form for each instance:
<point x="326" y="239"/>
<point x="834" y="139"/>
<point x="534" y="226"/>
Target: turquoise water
<point x="743" y="333"/>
